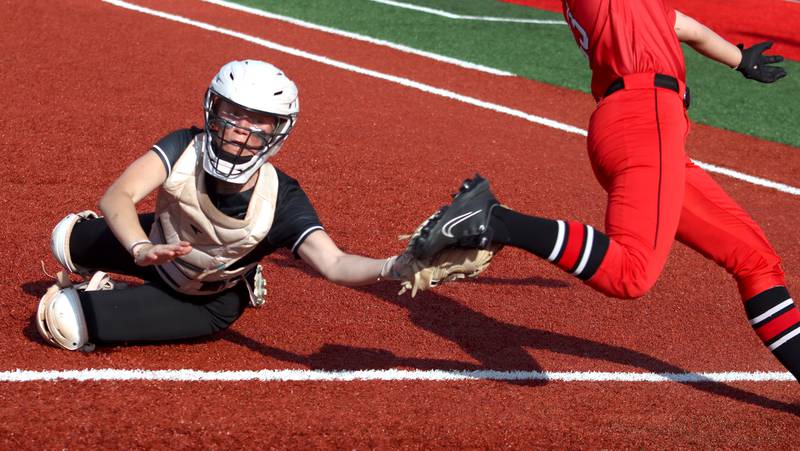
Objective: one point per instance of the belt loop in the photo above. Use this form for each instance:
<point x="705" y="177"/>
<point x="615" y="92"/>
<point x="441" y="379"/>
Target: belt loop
<point x="687" y="97"/>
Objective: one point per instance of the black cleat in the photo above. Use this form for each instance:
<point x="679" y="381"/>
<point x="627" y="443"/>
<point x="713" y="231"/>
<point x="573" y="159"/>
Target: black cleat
<point x="464" y="223"/>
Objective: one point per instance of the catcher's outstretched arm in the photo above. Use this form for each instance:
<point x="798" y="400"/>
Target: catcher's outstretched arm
<point x="322" y="254"/>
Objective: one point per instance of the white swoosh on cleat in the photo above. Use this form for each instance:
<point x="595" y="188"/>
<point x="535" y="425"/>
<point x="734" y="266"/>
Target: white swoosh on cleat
<point x="456" y="221"/>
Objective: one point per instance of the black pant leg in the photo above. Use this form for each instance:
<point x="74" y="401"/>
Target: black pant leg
<point x="153" y="312"/>
<point x="93" y="246"/>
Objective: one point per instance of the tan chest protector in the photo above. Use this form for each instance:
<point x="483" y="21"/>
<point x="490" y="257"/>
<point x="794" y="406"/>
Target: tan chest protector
<point x="184" y="212"/>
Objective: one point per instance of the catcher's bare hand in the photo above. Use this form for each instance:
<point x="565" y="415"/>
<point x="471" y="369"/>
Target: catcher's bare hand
<point x="156" y="254"/>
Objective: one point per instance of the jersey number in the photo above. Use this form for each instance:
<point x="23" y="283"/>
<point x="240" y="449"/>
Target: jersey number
<point x="579" y="33"/>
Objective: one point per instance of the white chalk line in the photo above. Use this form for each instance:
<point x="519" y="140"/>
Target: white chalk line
<point x="449" y="15"/>
<point x="287" y="375"/>
<point x="359" y="37"/>
<point x="433" y="90"/>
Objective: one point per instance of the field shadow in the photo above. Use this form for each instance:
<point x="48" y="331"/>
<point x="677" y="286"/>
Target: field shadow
<point x="36" y="288"/>
<point x="496" y="345"/>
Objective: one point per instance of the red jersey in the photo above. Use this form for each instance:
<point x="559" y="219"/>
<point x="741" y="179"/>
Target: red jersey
<point x="621" y="37"/>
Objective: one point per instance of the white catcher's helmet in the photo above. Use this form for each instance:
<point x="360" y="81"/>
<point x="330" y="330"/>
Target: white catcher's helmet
<point x="257" y="87"/>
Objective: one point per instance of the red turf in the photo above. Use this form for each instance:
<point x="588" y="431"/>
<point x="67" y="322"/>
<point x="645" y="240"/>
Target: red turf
<point x="90" y="86"/>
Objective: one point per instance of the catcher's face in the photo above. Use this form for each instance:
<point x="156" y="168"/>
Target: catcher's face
<point x="241" y="133"/>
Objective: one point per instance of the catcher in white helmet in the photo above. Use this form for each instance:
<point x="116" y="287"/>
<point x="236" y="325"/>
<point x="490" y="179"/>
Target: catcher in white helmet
<point x="221" y="207"/>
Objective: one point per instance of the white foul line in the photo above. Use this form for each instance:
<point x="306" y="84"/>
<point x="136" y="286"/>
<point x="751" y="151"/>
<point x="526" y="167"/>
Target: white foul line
<point x="748" y="178"/>
<point x="431" y="90"/>
<point x="189" y="375"/>
<point x="438" y="12"/>
<point x="356" y="69"/>
<point x="358" y="37"/>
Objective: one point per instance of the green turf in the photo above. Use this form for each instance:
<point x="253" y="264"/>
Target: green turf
<point x="547" y="53"/>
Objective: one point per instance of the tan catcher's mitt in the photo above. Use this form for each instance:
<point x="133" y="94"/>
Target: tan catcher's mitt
<point x="449" y="264"/>
<point x="453" y="243"/>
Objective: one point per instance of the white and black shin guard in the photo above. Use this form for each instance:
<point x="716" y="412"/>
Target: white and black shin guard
<point x="59" y="240"/>
<point x="60" y="319"/>
<point x="776" y="320"/>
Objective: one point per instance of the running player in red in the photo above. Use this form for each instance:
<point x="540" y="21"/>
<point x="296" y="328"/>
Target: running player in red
<point x="656" y="194"/>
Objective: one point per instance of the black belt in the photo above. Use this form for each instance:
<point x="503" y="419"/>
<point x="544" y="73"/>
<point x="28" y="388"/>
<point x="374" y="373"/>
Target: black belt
<point x="661" y="81"/>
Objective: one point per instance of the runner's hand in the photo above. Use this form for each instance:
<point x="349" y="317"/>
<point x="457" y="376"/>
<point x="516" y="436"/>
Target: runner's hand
<point x="756" y="66"/>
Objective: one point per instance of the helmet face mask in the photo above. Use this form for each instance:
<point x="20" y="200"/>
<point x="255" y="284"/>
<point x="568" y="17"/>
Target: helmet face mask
<point x="250" y="109"/>
<point x="235" y="141"/>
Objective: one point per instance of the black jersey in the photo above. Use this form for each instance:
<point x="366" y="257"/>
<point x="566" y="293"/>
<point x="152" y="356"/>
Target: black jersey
<point x="294" y="219"/>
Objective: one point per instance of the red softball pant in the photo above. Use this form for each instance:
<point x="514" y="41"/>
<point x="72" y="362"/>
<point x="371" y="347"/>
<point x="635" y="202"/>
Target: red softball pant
<point x="656" y="194"/>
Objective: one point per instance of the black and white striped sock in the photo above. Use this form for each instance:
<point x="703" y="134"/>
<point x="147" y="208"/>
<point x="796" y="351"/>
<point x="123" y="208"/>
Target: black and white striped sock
<point x="573" y="246"/>
<point x="776" y="319"/>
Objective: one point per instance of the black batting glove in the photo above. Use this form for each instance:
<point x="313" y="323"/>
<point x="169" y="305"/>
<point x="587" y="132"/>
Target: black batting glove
<point x="756" y="66"/>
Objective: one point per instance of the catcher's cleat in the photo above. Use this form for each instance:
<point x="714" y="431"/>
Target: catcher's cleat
<point x="464" y="223"/>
